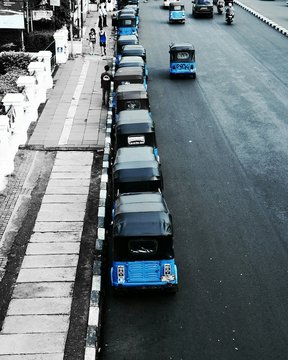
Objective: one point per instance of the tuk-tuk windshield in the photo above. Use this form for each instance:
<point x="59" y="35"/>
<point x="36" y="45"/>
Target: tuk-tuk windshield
<point x="143" y="248"/>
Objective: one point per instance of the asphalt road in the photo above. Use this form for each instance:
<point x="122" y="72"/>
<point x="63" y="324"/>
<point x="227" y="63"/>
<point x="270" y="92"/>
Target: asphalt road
<point x="223" y="146"/>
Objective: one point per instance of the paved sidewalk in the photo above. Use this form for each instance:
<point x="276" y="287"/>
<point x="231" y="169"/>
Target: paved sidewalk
<point x="38" y="317"/>
<point x="274" y="13"/>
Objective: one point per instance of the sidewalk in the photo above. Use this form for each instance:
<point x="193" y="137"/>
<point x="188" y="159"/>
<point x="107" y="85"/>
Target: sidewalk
<point x="273" y="13"/>
<point x="37" y="320"/>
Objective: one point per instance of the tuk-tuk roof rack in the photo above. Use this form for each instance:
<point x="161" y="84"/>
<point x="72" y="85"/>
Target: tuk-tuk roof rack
<point x="142" y="213"/>
<point x="181" y="46"/>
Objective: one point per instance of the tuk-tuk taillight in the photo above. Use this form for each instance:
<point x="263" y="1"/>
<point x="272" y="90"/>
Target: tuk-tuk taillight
<point x="167" y="276"/>
<point x="121" y="273"/>
<point x="167" y="269"/>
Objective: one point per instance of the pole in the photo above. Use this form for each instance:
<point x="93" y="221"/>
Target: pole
<point x="71" y="56"/>
<point x="22" y="40"/>
<point x="81" y="18"/>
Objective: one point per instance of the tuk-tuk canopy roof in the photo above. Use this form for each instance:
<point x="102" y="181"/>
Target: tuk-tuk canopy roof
<point x="131" y="91"/>
<point x="127" y="14"/>
<point x="134" y="122"/>
<point x="135" y="7"/>
<point x="176" y="3"/>
<point x="142" y="214"/>
<point x="134" y="50"/>
<point x="127" y="39"/>
<point x="131" y="61"/>
<point x="182" y="47"/>
<point x="128" y="74"/>
<point x="135" y="157"/>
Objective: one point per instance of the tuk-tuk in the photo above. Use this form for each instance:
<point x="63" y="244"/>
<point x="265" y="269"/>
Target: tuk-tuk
<point x="182" y="59"/>
<point x="142" y="244"/>
<point x="135" y="169"/>
<point x="135" y="128"/>
<point x="128" y="75"/>
<point x="134" y="61"/>
<point x="134" y="9"/>
<point x="134" y="50"/>
<point x="126" y="23"/>
<point x="122" y="41"/>
<point x="177" y="12"/>
<point x="131" y="97"/>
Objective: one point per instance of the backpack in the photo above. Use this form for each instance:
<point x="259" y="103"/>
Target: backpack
<point x="92" y="37"/>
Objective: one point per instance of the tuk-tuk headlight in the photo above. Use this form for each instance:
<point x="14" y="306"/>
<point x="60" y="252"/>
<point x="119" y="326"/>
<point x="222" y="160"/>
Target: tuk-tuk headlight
<point x="121" y="274"/>
<point x="167" y="276"/>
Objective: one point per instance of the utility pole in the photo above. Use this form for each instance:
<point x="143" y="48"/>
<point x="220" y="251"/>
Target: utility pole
<point x="71" y="55"/>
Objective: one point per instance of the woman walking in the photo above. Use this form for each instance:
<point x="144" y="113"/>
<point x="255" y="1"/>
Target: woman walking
<point x="92" y="41"/>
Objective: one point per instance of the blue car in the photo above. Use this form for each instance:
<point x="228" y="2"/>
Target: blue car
<point x="182" y="60"/>
<point x="142" y="244"/>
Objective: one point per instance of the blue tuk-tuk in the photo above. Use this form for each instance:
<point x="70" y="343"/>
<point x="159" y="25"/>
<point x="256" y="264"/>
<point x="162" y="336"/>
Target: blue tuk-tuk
<point x="182" y="59"/>
<point x="142" y="244"/>
<point x="135" y="8"/>
<point x="177" y="12"/>
<point x="122" y="41"/>
<point x="134" y="61"/>
<point x="126" y="23"/>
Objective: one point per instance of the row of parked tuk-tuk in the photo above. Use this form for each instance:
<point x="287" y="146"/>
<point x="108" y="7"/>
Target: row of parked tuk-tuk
<point x="142" y="231"/>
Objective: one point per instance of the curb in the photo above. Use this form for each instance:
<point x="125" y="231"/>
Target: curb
<point x="268" y="21"/>
<point x="93" y="328"/>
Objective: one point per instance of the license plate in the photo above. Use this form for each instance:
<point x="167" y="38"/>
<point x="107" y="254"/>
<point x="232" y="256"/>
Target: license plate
<point x="136" y="140"/>
<point x="183" y="67"/>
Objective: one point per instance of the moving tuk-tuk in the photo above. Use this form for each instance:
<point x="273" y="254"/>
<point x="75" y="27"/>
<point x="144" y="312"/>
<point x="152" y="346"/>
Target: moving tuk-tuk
<point x="182" y="59"/>
<point x="135" y="128"/>
<point x="126" y="23"/>
<point x="142" y="244"/>
<point x="122" y="41"/>
<point x="131" y="97"/>
<point x="136" y="169"/>
<point x="134" y="50"/>
<point x="134" y="61"/>
<point x="177" y="12"/>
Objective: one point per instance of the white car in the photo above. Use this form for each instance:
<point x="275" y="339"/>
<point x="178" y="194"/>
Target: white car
<point x="166" y="3"/>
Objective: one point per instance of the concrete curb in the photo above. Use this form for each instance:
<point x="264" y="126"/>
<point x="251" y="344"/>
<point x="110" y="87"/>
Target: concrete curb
<point x="269" y="22"/>
<point x="94" y="320"/>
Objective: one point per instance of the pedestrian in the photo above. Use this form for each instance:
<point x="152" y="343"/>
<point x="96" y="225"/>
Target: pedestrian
<point x="102" y="41"/>
<point x="106" y="78"/>
<point x="100" y="19"/>
<point x="92" y="41"/>
<point x="104" y="14"/>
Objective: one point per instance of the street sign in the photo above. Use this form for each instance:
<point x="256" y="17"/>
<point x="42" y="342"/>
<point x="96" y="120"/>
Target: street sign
<point x="42" y="14"/>
<point x="11" y="14"/>
<point x="55" y="2"/>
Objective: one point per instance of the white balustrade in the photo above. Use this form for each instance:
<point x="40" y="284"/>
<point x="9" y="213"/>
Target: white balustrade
<point x="38" y="68"/>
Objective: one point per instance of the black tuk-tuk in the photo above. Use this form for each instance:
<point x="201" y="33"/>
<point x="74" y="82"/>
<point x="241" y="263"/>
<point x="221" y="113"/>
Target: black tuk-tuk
<point x="131" y="97"/>
<point x="136" y="169"/>
<point x="124" y="40"/>
<point x="135" y="128"/>
<point x="134" y="50"/>
<point x="142" y="244"/>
